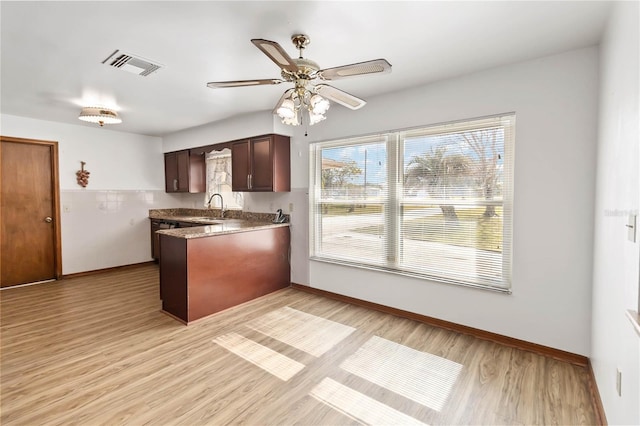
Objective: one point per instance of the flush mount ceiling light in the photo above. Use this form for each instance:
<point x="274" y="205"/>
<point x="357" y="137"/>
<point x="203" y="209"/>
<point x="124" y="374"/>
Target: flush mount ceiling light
<point x="99" y="115"/>
<point x="307" y="97"/>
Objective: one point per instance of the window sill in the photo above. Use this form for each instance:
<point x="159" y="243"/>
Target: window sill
<point x="410" y="274"/>
<point x="634" y="317"/>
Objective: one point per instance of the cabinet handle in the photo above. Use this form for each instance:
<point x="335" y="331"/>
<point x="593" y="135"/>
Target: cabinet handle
<point x="175" y="184"/>
<point x="249" y="181"/>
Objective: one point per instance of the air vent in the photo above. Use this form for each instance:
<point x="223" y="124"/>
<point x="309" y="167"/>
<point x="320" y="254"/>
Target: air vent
<point x="131" y="63"/>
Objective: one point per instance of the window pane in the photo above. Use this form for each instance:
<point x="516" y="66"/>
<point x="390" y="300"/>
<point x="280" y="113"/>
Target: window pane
<point x="467" y="249"/>
<point x="455" y="166"/>
<point x="452" y="205"/>
<point x="350" y="211"/>
<point x="218" y="165"/>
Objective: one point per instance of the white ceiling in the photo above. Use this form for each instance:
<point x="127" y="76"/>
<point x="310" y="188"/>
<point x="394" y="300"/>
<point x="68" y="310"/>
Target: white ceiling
<point x="52" y="52"/>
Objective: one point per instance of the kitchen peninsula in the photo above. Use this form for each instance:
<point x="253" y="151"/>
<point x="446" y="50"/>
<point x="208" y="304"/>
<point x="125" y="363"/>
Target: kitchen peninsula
<point x="206" y="269"/>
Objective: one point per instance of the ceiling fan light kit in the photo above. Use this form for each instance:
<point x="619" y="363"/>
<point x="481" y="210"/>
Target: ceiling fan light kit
<point x="99" y="115"/>
<point x="307" y="97"/>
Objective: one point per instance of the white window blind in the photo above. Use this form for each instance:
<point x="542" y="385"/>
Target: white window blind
<point x="434" y="202"/>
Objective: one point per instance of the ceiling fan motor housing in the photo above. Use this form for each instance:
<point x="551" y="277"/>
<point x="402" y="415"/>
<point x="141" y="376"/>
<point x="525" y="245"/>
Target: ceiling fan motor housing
<point x="307" y="70"/>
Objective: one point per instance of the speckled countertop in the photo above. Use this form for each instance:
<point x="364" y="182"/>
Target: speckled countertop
<point x="226" y="227"/>
<point x="234" y="221"/>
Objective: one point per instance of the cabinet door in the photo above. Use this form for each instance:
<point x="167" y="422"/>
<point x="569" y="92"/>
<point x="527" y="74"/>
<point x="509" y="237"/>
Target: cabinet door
<point x="240" y="167"/>
<point x="155" y="239"/>
<point x="261" y="164"/>
<point x="183" y="171"/>
<point x="197" y="173"/>
<point x="171" y="172"/>
<point x="281" y="160"/>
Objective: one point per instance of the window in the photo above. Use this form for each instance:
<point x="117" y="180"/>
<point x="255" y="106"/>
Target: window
<point x="218" y="165"/>
<point x="434" y="202"/>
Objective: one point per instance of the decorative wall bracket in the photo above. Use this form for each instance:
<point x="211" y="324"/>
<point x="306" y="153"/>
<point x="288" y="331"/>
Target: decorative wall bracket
<point x="82" y="175"/>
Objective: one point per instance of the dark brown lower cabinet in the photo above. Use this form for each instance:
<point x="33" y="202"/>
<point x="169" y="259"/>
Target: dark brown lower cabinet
<point x="155" y="239"/>
<point x="202" y="276"/>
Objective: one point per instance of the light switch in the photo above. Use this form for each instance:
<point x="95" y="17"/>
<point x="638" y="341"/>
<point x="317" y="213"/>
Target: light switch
<point x="631" y="228"/>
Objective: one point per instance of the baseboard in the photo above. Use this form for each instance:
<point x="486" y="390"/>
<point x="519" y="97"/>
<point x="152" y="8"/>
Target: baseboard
<point x="558" y="354"/>
<point x="595" y="397"/>
<point x="114" y="268"/>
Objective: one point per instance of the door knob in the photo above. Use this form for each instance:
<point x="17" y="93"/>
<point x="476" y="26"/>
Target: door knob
<point x="48" y="219"/>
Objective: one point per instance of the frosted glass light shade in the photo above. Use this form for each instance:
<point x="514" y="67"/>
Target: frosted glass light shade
<point x="287" y="109"/>
<point x="319" y="105"/>
<point x="99" y="115"/>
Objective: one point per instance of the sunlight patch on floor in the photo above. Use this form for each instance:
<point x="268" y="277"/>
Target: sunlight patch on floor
<point x="269" y="360"/>
<point x="309" y="333"/>
<point x="422" y="377"/>
<point x="359" y="406"/>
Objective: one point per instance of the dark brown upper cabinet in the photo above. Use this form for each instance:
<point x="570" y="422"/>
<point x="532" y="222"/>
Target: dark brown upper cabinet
<point x="261" y="164"/>
<point x="184" y="171"/>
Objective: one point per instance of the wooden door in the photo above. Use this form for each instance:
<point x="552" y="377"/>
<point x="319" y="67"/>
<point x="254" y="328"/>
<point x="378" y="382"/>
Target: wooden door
<point x="240" y="168"/>
<point x="29" y="211"/>
<point x="261" y="164"/>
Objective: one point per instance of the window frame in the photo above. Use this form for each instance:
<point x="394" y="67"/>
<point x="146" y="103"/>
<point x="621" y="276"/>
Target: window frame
<point x="395" y="199"/>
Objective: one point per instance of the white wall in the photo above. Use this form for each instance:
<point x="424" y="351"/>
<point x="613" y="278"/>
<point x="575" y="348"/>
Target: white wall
<point x="555" y="100"/>
<point x="615" y="271"/>
<point x="241" y="126"/>
<point x="105" y="224"/>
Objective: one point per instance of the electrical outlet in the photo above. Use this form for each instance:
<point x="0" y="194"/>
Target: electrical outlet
<point x="619" y="381"/>
<point x="290" y="207"/>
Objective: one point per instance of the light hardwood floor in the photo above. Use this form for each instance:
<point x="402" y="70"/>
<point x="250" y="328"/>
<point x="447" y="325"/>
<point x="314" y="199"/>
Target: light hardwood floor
<point x="97" y="350"/>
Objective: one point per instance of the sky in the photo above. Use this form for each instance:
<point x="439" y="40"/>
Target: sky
<point x="376" y="154"/>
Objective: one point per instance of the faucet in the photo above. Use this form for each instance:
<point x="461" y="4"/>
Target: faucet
<point x="222" y="210"/>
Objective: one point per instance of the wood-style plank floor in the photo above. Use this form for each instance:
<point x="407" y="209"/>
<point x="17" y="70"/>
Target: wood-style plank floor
<point x="97" y="350"/>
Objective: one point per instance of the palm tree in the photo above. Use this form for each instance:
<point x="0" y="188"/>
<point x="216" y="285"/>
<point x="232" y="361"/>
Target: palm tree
<point x="435" y="171"/>
<point x="337" y="174"/>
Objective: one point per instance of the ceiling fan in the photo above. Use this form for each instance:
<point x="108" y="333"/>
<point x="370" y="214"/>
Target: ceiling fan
<point x="309" y="93"/>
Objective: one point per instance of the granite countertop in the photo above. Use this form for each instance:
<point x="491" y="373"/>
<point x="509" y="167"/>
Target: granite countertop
<point x="234" y="221"/>
<point x="223" y="227"/>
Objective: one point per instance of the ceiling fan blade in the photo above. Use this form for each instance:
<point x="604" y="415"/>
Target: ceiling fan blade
<point x="241" y="83"/>
<point x="339" y="96"/>
<point x="276" y="53"/>
<point x="368" y="67"/>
